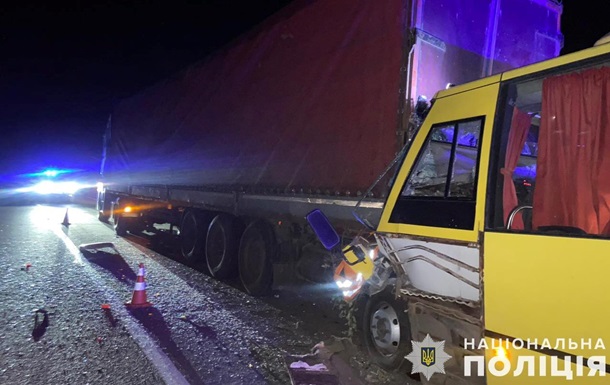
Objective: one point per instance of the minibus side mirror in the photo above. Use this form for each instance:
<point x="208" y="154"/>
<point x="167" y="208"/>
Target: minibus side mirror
<point x="323" y="229"/>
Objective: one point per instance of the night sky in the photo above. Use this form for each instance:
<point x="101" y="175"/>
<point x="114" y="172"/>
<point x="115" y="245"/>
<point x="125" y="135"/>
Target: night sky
<point x="64" y="64"/>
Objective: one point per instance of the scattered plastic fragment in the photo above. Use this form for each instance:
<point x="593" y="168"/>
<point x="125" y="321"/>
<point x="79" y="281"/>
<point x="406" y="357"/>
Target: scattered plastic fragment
<point x="108" y="314"/>
<point x="40" y="325"/>
<point x="314" y="368"/>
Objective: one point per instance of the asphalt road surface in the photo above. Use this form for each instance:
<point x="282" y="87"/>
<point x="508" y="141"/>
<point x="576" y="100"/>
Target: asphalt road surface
<point x="64" y="320"/>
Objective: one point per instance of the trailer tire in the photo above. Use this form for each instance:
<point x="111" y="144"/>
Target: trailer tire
<point x="193" y="227"/>
<point x="257" y="250"/>
<point x="102" y="217"/>
<point x="387" y="330"/>
<point x="121" y="225"/>
<point x="221" y="246"/>
<point x="103" y="211"/>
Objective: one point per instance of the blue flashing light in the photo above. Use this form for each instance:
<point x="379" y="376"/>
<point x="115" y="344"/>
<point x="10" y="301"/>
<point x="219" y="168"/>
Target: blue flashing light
<point x="49" y="173"/>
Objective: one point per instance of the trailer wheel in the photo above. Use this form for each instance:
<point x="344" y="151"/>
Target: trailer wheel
<point x="386" y="330"/>
<point x="121" y="225"/>
<point x="103" y="211"/>
<point x="221" y="246"/>
<point x="102" y="217"/>
<point x="192" y="236"/>
<point x="256" y="251"/>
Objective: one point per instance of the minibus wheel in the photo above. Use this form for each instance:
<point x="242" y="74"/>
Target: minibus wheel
<point x="386" y="330"/>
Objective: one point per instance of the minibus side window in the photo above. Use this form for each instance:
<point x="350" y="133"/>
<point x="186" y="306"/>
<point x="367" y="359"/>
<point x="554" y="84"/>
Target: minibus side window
<point x="429" y="177"/>
<point x="550" y="174"/>
<point x="443" y="179"/>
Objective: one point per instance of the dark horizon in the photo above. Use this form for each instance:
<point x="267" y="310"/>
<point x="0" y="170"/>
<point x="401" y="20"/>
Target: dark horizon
<point x="66" y="64"/>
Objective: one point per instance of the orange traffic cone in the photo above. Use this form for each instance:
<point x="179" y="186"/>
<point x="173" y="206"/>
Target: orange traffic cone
<point x="139" y="291"/>
<point x="66" y="221"/>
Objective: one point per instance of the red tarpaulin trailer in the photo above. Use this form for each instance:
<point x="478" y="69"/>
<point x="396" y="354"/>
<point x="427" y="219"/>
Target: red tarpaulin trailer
<point x="303" y="112"/>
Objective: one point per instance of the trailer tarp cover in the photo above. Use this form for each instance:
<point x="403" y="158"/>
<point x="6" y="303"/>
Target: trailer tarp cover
<point x="308" y="100"/>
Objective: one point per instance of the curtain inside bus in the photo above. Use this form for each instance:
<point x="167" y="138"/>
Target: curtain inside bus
<point x="573" y="179"/>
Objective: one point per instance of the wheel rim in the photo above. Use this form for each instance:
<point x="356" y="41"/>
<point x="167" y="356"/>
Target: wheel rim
<point x="385" y="329"/>
<point x="216" y="248"/>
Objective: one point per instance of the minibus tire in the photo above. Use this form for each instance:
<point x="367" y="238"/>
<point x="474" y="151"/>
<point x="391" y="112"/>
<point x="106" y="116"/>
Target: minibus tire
<point x="387" y="331"/>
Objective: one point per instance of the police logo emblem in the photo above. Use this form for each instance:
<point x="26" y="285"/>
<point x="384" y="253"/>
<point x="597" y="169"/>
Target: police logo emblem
<point x="428" y="357"/>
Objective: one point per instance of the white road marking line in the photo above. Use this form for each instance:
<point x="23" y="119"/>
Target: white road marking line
<point x="165" y="367"/>
<point x="69" y="245"/>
